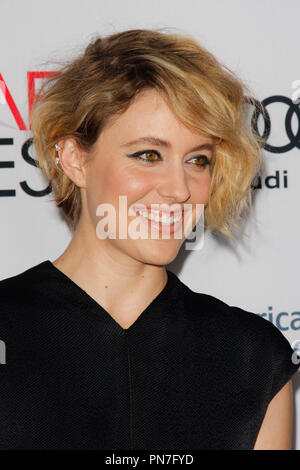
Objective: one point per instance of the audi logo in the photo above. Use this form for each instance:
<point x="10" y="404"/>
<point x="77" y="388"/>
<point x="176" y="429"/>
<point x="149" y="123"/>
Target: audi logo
<point x="294" y="140"/>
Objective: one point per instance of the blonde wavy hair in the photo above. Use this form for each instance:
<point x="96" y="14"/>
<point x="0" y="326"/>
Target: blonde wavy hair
<point x="80" y="98"/>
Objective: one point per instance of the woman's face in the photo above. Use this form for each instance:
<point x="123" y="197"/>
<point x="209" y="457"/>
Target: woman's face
<point x="170" y="174"/>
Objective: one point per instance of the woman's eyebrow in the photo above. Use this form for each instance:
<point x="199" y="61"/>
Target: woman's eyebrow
<point x="149" y="139"/>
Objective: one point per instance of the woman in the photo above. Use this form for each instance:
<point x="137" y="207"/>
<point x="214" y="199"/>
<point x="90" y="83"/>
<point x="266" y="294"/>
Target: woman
<point x="106" y="348"/>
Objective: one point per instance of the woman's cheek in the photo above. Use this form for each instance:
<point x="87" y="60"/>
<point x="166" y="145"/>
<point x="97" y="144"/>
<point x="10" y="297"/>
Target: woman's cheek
<point x="134" y="184"/>
<point x="199" y="189"/>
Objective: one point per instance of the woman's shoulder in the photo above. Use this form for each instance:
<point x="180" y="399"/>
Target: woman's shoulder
<point x="213" y="310"/>
<point x="22" y="290"/>
<point x="245" y="334"/>
<point x="22" y="280"/>
<point x="237" y="324"/>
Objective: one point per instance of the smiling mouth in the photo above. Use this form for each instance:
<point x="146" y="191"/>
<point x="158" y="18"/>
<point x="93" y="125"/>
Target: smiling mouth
<point x="161" y="217"/>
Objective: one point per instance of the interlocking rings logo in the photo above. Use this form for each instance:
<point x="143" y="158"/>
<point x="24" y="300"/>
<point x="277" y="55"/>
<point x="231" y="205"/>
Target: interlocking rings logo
<point x="292" y="108"/>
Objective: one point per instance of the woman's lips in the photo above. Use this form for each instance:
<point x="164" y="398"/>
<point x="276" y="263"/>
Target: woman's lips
<point x="163" y="228"/>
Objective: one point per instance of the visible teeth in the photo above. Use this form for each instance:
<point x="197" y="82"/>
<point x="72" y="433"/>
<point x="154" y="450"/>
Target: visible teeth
<point x="164" y="219"/>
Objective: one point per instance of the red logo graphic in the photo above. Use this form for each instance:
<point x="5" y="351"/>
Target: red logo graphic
<point x="31" y="77"/>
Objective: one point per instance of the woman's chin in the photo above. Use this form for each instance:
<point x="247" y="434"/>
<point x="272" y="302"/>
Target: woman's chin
<point x="159" y="255"/>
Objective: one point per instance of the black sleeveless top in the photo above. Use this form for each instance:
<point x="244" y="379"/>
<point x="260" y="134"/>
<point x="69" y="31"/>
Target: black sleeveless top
<point x="190" y="373"/>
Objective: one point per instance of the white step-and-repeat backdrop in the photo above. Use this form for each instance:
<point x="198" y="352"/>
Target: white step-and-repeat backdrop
<point x="257" y="39"/>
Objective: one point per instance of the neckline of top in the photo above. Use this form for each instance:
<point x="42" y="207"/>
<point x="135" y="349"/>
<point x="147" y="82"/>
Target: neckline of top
<point x="159" y="299"/>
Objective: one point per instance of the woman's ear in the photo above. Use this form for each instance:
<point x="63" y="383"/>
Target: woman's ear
<point x="71" y="160"/>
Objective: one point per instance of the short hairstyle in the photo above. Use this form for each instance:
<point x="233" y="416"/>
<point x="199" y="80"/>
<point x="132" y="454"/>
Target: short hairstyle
<point x="79" y="99"/>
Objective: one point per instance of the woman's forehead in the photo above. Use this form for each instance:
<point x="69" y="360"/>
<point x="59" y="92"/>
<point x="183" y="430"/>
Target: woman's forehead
<point x="150" y="115"/>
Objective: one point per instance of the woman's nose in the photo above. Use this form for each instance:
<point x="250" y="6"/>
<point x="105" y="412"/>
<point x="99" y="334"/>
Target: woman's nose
<point x="173" y="184"/>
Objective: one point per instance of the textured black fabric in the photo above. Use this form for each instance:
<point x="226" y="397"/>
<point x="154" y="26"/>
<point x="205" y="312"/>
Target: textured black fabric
<point x="190" y="373"/>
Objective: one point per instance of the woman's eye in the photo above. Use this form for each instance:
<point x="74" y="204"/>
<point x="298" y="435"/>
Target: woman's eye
<point x="203" y="161"/>
<point x="152" y="156"/>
